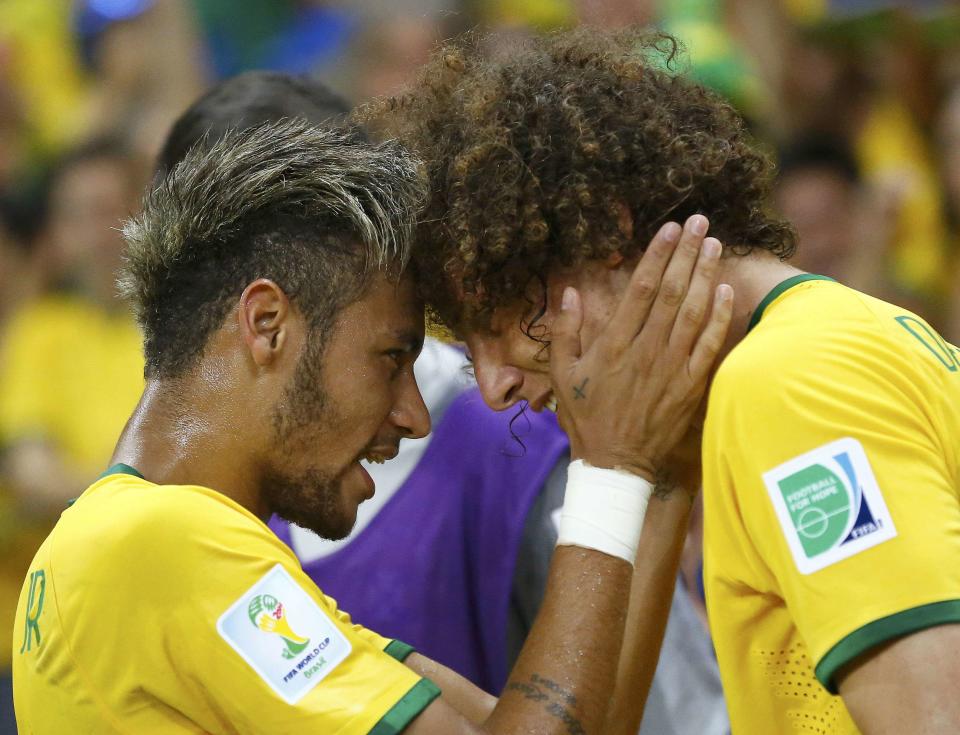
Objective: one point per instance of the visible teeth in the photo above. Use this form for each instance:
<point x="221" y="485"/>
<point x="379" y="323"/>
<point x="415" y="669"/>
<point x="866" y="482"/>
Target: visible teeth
<point x="551" y="403"/>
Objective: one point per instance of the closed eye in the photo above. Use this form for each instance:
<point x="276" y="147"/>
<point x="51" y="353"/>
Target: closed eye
<point x="468" y="369"/>
<point x="398" y="359"/>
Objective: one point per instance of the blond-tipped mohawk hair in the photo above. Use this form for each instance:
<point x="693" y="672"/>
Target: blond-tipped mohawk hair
<point x="228" y="208"/>
<point x="375" y="190"/>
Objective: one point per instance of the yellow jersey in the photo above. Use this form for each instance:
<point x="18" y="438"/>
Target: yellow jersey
<point x="832" y="516"/>
<point x="172" y="609"/>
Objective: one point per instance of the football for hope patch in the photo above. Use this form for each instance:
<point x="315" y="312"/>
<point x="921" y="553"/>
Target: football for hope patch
<point x="284" y="635"/>
<point x="829" y="504"/>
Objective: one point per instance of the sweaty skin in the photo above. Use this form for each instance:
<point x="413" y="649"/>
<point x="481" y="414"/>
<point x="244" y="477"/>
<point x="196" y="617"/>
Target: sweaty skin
<point x="216" y="426"/>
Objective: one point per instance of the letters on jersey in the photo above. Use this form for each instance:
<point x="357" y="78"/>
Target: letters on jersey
<point x="284" y="635"/>
<point x="829" y="504"/>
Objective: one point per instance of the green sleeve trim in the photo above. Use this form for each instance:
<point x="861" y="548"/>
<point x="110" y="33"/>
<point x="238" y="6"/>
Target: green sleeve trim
<point x="779" y="289"/>
<point x="880" y="631"/>
<point x="406" y="710"/>
<point x="399" y="650"/>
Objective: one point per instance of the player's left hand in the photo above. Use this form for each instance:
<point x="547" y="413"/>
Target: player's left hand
<point x="628" y="399"/>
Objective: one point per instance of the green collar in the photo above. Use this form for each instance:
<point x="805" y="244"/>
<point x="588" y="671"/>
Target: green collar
<point x="779" y="289"/>
<point x="122" y="469"/>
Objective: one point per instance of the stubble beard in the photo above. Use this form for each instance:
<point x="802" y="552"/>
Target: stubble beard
<point x="310" y="498"/>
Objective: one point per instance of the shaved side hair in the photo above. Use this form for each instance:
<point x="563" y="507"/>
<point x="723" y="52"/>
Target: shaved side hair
<point x="316" y="211"/>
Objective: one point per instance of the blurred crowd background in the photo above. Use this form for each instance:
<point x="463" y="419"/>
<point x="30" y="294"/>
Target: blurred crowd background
<point x="859" y="100"/>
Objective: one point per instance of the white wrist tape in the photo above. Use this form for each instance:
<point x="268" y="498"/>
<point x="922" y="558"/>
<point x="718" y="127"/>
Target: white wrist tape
<point x="603" y="510"/>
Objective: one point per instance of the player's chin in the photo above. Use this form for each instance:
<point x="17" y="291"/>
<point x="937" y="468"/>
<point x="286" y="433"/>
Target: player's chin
<point x="334" y="525"/>
<point x="330" y="514"/>
<point x="340" y="530"/>
<point x="351" y="493"/>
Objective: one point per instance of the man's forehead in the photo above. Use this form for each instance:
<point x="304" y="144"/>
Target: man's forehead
<point x="397" y="307"/>
<point x="475" y="312"/>
<point x="390" y="290"/>
<point x="516" y="316"/>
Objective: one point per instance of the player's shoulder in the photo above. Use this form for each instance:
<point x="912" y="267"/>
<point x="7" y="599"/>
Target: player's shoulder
<point x="136" y="500"/>
<point x="813" y="331"/>
<point x="122" y="520"/>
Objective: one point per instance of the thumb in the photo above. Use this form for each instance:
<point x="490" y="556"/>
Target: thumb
<point x="565" y="332"/>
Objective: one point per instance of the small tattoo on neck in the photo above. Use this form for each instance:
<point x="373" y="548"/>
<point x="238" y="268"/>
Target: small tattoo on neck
<point x="579" y="390"/>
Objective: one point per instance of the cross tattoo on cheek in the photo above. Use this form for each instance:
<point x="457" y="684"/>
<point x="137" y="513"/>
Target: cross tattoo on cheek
<point x="578" y="390"/>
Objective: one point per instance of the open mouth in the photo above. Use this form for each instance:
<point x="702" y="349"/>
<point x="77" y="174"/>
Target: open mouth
<point x="547" y="401"/>
<point x="379" y="455"/>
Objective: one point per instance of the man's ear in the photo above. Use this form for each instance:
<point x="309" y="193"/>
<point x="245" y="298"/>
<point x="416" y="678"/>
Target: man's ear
<point x="613" y="260"/>
<point x="625" y="225"/>
<point x="264" y="316"/>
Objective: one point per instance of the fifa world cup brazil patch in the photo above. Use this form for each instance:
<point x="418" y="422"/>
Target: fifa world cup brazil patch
<point x="284" y="635"/>
<point x="829" y="504"/>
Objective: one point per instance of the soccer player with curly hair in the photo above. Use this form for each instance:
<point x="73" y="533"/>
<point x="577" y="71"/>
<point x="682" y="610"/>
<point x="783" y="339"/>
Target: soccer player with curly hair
<point x="830" y="452"/>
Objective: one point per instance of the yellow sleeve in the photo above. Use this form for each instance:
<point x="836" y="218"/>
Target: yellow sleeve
<point x="261" y="647"/>
<point x="392" y="647"/>
<point x="842" y="493"/>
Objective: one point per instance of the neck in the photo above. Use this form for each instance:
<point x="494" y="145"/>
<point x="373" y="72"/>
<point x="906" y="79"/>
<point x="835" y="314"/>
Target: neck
<point x="179" y="435"/>
<point x="752" y="278"/>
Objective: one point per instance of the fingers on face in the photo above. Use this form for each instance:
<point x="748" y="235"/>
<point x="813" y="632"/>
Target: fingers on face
<point x="698" y="299"/>
<point x="644" y="284"/>
<point x="671" y="301"/>
<point x="711" y="339"/>
<point x="677" y="278"/>
<point x="565" y="331"/>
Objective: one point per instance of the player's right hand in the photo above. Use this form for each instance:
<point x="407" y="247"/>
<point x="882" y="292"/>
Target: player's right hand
<point x="627" y="400"/>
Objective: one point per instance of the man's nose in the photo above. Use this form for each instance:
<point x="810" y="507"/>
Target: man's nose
<point x="499" y="384"/>
<point x="410" y="413"/>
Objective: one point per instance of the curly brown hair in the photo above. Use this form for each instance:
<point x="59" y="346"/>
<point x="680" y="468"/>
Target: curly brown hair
<point x="532" y="157"/>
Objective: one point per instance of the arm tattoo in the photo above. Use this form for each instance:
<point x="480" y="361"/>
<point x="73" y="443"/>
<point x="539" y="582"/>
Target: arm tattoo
<point x="555" y="697"/>
<point x="529" y="691"/>
<point x="573" y="725"/>
<point x="555" y="688"/>
<point x="665" y="485"/>
<point x="579" y="391"/>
